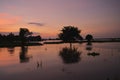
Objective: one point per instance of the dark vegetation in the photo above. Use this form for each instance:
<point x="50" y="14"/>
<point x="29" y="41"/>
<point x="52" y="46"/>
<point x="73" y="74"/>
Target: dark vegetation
<point x="24" y="38"/>
<point x="89" y="37"/>
<point x="68" y="34"/>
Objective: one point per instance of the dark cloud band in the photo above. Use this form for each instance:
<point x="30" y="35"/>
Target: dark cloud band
<point x="35" y="23"/>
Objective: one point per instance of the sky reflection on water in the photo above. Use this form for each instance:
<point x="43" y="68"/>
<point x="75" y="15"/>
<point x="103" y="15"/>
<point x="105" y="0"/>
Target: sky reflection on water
<point x="45" y="63"/>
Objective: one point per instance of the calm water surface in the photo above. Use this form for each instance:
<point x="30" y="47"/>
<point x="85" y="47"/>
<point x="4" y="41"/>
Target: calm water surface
<point x="46" y="63"/>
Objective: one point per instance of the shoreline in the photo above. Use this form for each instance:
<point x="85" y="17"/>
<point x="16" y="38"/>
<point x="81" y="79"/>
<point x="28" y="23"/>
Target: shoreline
<point x="47" y="42"/>
<point x="19" y="45"/>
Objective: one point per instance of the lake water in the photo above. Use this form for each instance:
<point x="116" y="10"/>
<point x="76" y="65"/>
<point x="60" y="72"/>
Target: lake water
<point x="46" y="63"/>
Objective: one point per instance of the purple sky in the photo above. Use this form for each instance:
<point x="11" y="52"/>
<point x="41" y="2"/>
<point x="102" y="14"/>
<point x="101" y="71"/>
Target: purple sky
<point x="98" y="17"/>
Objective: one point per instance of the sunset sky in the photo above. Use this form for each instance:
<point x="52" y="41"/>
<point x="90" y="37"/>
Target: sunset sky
<point x="101" y="18"/>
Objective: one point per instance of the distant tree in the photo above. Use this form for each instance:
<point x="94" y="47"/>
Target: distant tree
<point x="34" y="38"/>
<point x="89" y="37"/>
<point x="38" y="38"/>
<point x="10" y="37"/>
<point x="24" y="36"/>
<point x="17" y="38"/>
<point x="1" y="37"/>
<point x="70" y="34"/>
<point x="24" y="32"/>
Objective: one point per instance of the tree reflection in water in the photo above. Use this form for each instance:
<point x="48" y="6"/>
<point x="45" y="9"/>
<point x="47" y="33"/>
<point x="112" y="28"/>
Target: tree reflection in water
<point x="70" y="55"/>
<point x="23" y="54"/>
<point x="89" y="49"/>
<point x="11" y="50"/>
<point x="93" y="54"/>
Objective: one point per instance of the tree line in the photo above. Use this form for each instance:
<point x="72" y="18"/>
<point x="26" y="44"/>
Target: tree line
<point x="24" y="36"/>
<point x="67" y="34"/>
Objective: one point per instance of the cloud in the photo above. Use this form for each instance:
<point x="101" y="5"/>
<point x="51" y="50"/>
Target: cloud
<point x="36" y="23"/>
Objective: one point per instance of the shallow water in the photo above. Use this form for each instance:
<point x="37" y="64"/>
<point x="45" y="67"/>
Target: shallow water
<point x="46" y="63"/>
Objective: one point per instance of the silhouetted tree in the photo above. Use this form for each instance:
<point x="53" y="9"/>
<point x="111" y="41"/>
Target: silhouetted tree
<point x="34" y="38"/>
<point x="89" y="37"/>
<point x="24" y="32"/>
<point x="10" y="37"/>
<point x="1" y="37"/>
<point x="70" y="34"/>
<point x="13" y="40"/>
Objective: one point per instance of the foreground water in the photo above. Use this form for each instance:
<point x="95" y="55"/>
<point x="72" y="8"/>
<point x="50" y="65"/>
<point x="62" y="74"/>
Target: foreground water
<point x="46" y="63"/>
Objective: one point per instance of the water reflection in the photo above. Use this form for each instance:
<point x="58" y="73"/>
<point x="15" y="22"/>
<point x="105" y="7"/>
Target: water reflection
<point x="89" y="43"/>
<point x="39" y="64"/>
<point x="70" y="55"/>
<point x="89" y="49"/>
<point x="47" y="65"/>
<point x="23" y="54"/>
<point x="11" y="50"/>
<point x="93" y="54"/>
